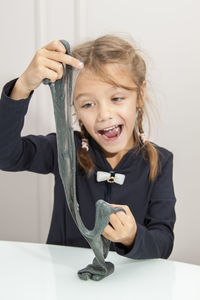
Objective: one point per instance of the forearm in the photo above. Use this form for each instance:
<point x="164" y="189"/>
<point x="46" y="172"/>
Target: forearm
<point x="11" y="123"/>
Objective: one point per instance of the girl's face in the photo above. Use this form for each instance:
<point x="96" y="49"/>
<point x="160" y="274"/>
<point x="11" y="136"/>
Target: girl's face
<point x="107" y="112"/>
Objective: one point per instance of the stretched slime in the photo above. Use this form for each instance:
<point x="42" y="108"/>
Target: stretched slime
<point x="62" y="91"/>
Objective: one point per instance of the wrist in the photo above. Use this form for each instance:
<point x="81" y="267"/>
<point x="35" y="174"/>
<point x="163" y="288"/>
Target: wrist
<point x="20" y="91"/>
<point x="128" y="243"/>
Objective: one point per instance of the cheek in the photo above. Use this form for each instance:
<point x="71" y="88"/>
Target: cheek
<point x="87" y="121"/>
<point x="130" y="115"/>
<point x="80" y="114"/>
<point x="132" y="121"/>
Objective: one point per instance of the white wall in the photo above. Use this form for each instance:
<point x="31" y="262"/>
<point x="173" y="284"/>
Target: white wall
<point x="168" y="33"/>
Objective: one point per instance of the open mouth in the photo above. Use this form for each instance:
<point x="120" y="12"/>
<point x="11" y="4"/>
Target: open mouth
<point x="111" y="133"/>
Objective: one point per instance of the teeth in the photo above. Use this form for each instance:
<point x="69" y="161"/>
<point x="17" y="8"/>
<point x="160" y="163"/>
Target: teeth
<point x="110" y="128"/>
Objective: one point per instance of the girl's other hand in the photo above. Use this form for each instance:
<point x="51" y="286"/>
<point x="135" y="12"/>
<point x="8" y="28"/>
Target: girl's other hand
<point x="122" y="228"/>
<point x="46" y="63"/>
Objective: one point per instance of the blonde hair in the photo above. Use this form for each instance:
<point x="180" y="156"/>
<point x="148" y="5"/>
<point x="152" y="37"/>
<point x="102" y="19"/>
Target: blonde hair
<point x="95" y="55"/>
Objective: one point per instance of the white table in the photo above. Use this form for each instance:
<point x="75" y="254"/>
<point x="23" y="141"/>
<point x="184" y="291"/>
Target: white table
<point x="35" y="271"/>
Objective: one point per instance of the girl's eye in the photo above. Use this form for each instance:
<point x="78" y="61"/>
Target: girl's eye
<point x="117" y="99"/>
<point x="87" y="105"/>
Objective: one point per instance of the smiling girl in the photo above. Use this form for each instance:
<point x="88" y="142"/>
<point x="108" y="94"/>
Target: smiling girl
<point x="115" y="161"/>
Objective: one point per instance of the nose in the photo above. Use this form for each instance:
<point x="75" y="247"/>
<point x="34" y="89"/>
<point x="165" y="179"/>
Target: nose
<point x="104" y="112"/>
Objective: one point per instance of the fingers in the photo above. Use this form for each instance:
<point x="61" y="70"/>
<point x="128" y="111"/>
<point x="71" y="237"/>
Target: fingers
<point x="62" y="58"/>
<point x="54" y="66"/>
<point x="125" y="207"/>
<point x="120" y="220"/>
<point x="47" y="63"/>
<point x="117" y="220"/>
<point x="55" y="46"/>
<point x="56" y="51"/>
<point x="109" y="233"/>
<point x="122" y="227"/>
<point x="50" y="74"/>
<point x="115" y="229"/>
<point x="125" y="219"/>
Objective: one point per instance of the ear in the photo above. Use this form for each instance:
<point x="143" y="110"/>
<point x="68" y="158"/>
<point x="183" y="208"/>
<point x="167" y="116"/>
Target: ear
<point x="140" y="100"/>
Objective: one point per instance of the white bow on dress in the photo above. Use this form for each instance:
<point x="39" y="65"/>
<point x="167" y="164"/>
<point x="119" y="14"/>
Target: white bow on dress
<point x="105" y="176"/>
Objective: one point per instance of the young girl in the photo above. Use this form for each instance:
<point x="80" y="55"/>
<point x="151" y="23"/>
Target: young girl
<point x="115" y="161"/>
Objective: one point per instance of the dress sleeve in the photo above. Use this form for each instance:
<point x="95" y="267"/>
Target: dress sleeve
<point x="154" y="238"/>
<point x="28" y="153"/>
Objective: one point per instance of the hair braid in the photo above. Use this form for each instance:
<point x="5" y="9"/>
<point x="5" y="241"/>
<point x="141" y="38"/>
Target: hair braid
<point x="139" y="124"/>
<point x="83" y="155"/>
<point x="148" y="147"/>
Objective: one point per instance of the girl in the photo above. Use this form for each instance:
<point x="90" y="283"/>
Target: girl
<point x="115" y="162"/>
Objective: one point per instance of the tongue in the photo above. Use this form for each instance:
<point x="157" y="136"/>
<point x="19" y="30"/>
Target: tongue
<point x="111" y="133"/>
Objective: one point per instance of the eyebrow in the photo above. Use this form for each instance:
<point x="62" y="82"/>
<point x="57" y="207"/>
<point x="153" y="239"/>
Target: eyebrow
<point x="81" y="95"/>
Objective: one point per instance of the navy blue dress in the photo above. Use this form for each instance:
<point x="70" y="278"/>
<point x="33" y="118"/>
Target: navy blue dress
<point x="152" y="204"/>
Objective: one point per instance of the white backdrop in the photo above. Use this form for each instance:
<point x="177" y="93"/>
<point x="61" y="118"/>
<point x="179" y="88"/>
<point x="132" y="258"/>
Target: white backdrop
<point x="168" y="33"/>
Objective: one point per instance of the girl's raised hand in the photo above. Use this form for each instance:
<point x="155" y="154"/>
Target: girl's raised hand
<point x="46" y="63"/>
<point x="122" y="228"/>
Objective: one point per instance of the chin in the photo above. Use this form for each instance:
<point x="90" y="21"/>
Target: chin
<point x="113" y="149"/>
